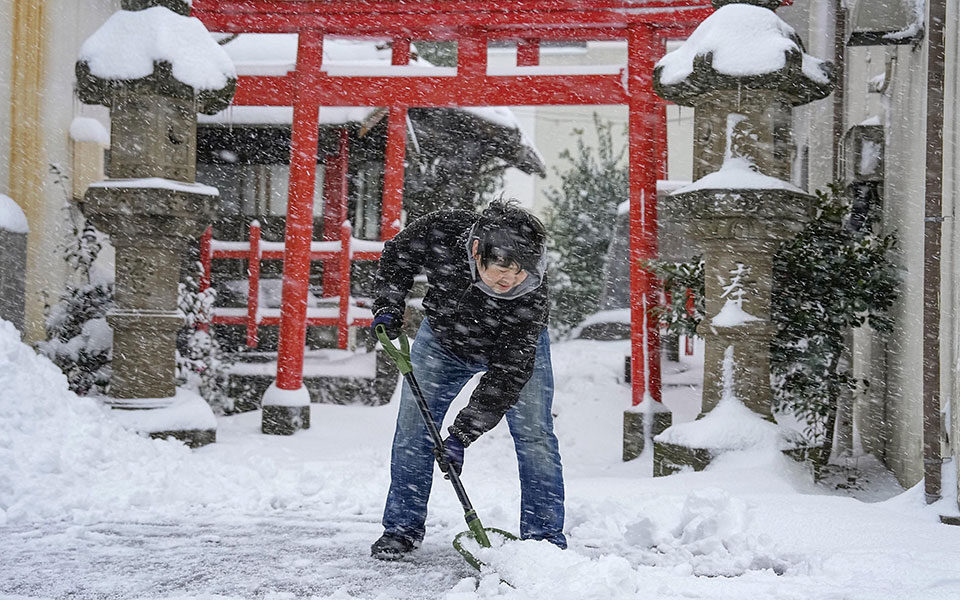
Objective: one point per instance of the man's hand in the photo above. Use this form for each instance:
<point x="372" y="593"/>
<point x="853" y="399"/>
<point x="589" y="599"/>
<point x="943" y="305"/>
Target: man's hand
<point x="391" y="321"/>
<point x="452" y="455"/>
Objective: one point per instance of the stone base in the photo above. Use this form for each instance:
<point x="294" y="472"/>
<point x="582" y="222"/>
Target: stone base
<point x="193" y="438"/>
<point x="671" y="458"/>
<point x="285" y="420"/>
<point x="950" y="519"/>
<point x="634" y="439"/>
<point x="247" y="390"/>
<point x="186" y="417"/>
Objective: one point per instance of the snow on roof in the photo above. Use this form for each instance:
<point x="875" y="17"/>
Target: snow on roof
<point x="87" y="129"/>
<point x="283" y="115"/>
<point x="744" y="40"/>
<point x="11" y="216"/>
<point x="275" y="54"/>
<point x="130" y="42"/>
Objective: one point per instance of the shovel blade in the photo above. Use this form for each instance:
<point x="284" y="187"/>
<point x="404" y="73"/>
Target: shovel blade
<point x="467" y="540"/>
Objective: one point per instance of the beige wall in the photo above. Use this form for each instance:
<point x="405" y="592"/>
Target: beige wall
<point x="6" y="52"/>
<point x="47" y="35"/>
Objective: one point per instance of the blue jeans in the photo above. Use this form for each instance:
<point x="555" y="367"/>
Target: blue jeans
<point x="441" y="376"/>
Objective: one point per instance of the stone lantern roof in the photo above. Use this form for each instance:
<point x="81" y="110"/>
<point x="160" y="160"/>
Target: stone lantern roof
<point x="155" y="50"/>
<point x="742" y="46"/>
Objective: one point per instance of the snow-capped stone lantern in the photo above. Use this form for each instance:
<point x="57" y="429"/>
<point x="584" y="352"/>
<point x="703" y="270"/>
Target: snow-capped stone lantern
<point x="154" y="67"/>
<point x="743" y="69"/>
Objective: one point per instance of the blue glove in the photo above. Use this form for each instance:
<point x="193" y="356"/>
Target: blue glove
<point x="452" y="455"/>
<point x="391" y="321"/>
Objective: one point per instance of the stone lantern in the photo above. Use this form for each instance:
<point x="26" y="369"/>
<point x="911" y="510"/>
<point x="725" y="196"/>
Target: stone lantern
<point x="154" y="68"/>
<point x="743" y="69"/>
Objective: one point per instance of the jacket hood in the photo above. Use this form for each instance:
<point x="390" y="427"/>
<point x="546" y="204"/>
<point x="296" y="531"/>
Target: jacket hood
<point x="533" y="281"/>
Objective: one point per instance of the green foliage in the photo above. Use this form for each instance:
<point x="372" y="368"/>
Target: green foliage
<point x="580" y="222"/>
<point x="830" y="278"/>
<point x="78" y="339"/>
<point x="199" y="357"/>
<point x="827" y="280"/>
<point x="683" y="281"/>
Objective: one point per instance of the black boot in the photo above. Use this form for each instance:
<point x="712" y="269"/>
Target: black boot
<point x="391" y="547"/>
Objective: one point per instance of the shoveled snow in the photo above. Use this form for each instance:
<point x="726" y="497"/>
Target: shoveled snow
<point x="94" y="511"/>
<point x="12" y="217"/>
<point x="130" y="42"/>
<point x="744" y="40"/>
<point x="87" y="129"/>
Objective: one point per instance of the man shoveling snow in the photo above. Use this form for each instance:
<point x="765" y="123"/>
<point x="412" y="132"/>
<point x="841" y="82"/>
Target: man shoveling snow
<point x="486" y="310"/>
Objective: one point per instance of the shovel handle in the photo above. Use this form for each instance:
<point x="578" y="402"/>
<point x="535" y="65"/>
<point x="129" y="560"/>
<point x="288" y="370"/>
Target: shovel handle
<point x="401" y="355"/>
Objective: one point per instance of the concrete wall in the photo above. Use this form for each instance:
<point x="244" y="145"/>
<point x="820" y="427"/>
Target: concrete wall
<point x="950" y="323"/>
<point x="889" y="414"/>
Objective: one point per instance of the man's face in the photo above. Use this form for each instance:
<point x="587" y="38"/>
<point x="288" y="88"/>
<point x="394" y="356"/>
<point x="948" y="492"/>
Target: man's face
<point x="501" y="279"/>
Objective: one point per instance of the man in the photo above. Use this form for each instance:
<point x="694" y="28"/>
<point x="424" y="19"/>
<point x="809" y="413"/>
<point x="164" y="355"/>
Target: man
<point x="486" y="310"/>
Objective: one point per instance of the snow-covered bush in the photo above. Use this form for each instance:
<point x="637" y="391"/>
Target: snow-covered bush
<point x="199" y="362"/>
<point x="836" y="274"/>
<point x="580" y="222"/>
<point x="78" y="339"/>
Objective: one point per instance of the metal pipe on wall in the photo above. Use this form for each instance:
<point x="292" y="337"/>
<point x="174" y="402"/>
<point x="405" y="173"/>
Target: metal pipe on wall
<point x="933" y="224"/>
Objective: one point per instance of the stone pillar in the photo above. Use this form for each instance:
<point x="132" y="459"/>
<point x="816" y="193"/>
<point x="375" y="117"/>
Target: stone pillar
<point x="151" y="207"/>
<point x="741" y="205"/>
<point x="13" y="249"/>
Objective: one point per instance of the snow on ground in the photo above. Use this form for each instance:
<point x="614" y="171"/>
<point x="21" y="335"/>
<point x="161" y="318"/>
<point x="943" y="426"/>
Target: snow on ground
<point x="89" y="510"/>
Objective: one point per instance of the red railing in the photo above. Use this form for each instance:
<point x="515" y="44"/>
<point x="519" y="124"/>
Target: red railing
<point x="337" y="254"/>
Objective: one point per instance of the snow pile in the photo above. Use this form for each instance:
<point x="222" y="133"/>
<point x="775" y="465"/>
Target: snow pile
<point x="64" y="456"/>
<point x="743" y="40"/>
<point x="732" y="315"/>
<point x="729" y="425"/>
<point x="712" y="538"/>
<point x="11" y="216"/>
<point x="714" y="535"/>
<point x="128" y="45"/>
<point x="737" y="173"/>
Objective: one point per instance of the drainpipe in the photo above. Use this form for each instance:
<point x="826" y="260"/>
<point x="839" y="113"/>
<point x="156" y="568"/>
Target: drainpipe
<point x="839" y="65"/>
<point x="933" y="223"/>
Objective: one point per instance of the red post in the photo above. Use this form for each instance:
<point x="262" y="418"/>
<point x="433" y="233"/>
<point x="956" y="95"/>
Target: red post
<point x="471" y="55"/>
<point x="253" y="285"/>
<point x="661" y="141"/>
<point x="644" y="168"/>
<point x="343" y="323"/>
<point x="400" y="51"/>
<point x="334" y="206"/>
<point x="206" y="257"/>
<point x="393" y="172"/>
<point x="528" y="53"/>
<point x="299" y="228"/>
<point x="206" y="265"/>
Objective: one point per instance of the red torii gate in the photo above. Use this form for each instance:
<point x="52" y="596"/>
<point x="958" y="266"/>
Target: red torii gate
<point x="645" y="25"/>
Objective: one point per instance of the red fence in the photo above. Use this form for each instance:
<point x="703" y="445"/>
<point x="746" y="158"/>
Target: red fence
<point x="336" y="254"/>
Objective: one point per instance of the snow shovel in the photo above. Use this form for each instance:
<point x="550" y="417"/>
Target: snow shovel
<point x="476" y="532"/>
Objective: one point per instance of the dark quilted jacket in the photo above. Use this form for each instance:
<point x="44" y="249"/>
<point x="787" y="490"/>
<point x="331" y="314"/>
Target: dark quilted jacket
<point x="472" y="324"/>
